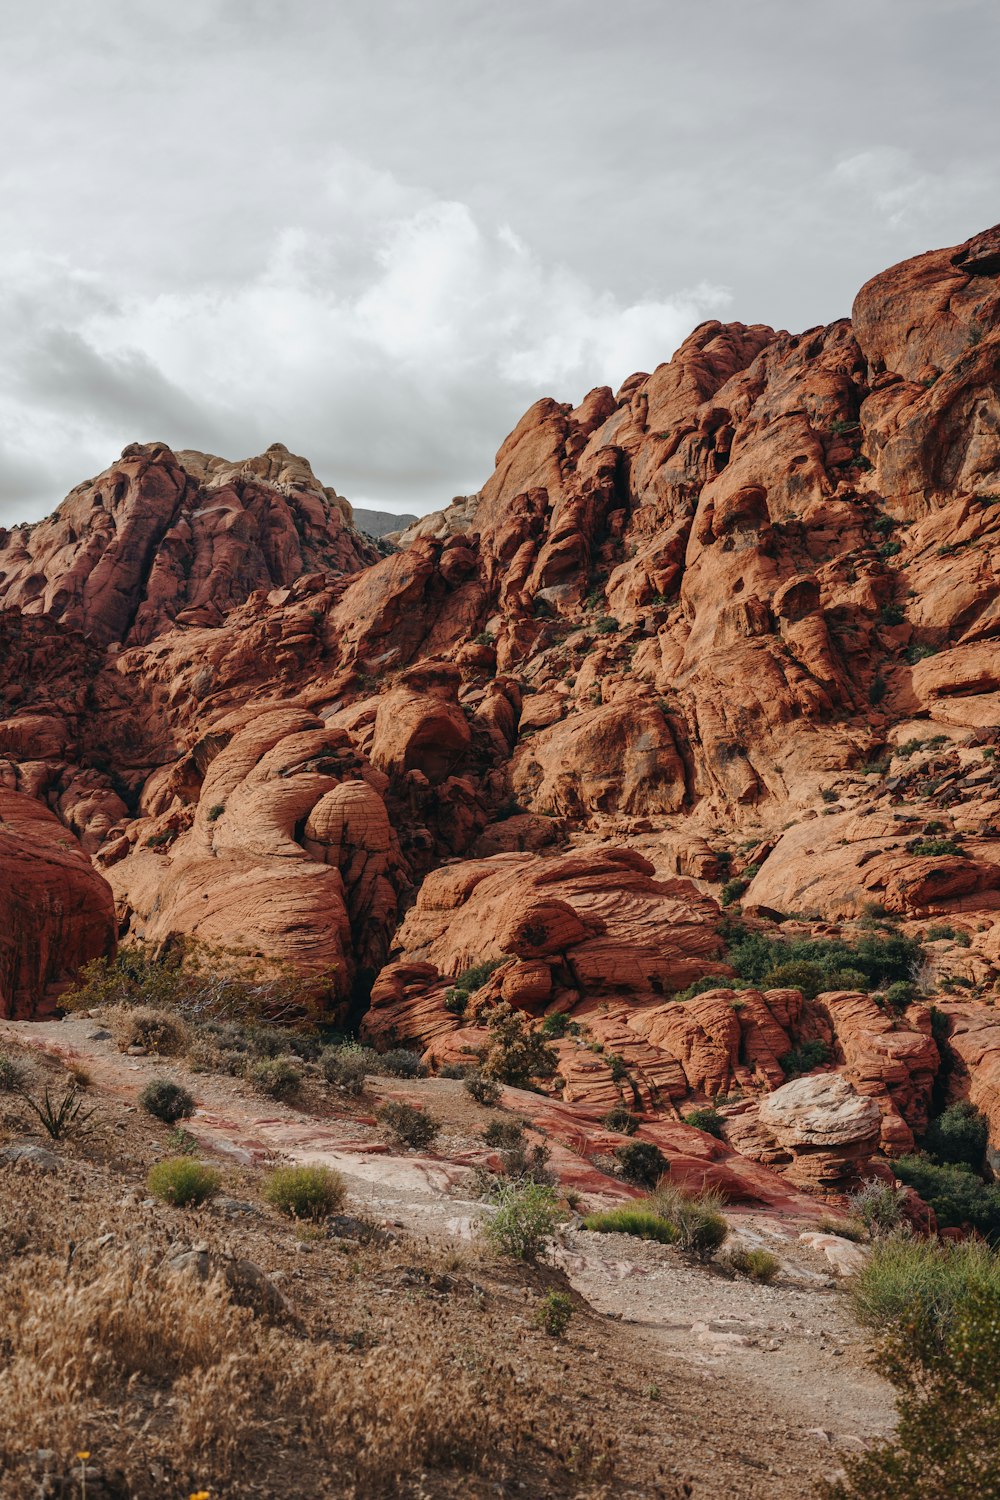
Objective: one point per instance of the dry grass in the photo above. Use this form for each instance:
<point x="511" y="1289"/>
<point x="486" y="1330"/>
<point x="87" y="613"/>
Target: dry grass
<point x="172" y="1387"/>
<point x="141" y="1026"/>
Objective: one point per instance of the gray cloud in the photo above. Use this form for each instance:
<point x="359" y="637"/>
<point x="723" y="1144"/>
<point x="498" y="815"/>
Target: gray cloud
<point x="377" y="231"/>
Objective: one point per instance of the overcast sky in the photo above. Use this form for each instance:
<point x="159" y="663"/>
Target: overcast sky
<point x="377" y="230"/>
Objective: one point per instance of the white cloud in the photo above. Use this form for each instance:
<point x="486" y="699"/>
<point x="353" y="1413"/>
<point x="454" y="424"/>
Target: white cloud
<point x="398" y="372"/>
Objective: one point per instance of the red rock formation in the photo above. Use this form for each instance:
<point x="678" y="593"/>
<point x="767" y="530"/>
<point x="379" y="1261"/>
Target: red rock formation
<point x="736" y="619"/>
<point x="56" y="913"/>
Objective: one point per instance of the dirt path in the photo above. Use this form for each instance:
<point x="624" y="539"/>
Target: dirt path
<point x="767" y="1386"/>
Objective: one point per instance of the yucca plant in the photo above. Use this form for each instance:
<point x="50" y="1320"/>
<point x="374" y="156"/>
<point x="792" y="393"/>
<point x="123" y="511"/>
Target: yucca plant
<point x="62" y="1117"/>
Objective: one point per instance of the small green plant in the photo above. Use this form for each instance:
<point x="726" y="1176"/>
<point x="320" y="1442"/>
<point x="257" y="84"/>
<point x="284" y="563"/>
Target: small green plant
<point x="732" y="890"/>
<point x="304" y="1192"/>
<point x="215" y="813"/>
<point x="805" y="1057"/>
<point x="620" y="1119"/>
<point x="891" y="614"/>
<point x="553" y="1314"/>
<point x="59" y="1118"/>
<point x="936" y="847"/>
<point x="525" y="1217"/>
<point x="607" y="625"/>
<point x="878" y="1206"/>
<point x="181" y="1182"/>
<point x="347" y="1068"/>
<point x="456" y="1002"/>
<point x="701" y="1224"/>
<point x="708" y="1120"/>
<point x="167" y="1101"/>
<point x="486" y="1091"/>
<point x="407" y="1125"/>
<point x="276" y="1077"/>
<point x="828" y="794"/>
<point x="900" y="994"/>
<point x="401" y="1062"/>
<point x="757" y="1265"/>
<point x="959" y="1135"/>
<point x="636" y="1219"/>
<point x="959" y="1198"/>
<point x="641" y="1162"/>
<point x="516" y="1053"/>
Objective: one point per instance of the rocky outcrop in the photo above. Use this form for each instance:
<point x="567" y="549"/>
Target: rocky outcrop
<point x="56" y="912"/>
<point x="724" y="635"/>
<point x="826" y="1131"/>
<point x="163" y="537"/>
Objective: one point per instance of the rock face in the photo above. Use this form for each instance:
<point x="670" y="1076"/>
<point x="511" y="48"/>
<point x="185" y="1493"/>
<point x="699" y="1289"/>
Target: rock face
<point x="56" y="913"/>
<point x="828" y="1129"/>
<point x="725" y="635"/>
<point x="161" y="537"/>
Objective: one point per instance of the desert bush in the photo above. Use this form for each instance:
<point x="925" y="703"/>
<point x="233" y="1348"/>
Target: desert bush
<point x="181" y="1182"/>
<point x="502" y="1134"/>
<point x="277" y="1077"/>
<point x="399" y="1062"/>
<point x="847" y="1229"/>
<point x="701" y="1224"/>
<point x="304" y="1192"/>
<point x="804" y="1057"/>
<point x="634" y="1218"/>
<point x="708" y="1120"/>
<point x="199" y="983"/>
<point x="958" y="1135"/>
<point x="642" y="1163"/>
<point x="620" y="1119"/>
<point x="958" y="1197"/>
<point x="154" y="1030"/>
<point x="553" y="1313"/>
<point x="167" y="1101"/>
<point x="407" y="1125"/>
<point x="899" y="995"/>
<point x="732" y="890"/>
<point x="516" y="1053"/>
<point x="13" y="1075"/>
<point x="878" y="1206"/>
<point x="881" y="957"/>
<point x="346" y="1068"/>
<point x="525" y="1217"/>
<point x="486" y="1091"/>
<point x="757" y="1265"/>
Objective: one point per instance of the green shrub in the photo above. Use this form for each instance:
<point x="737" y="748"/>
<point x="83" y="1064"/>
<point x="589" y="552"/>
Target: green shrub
<point x="400" y="1062"/>
<point x="758" y="1265"/>
<point x="475" y="976"/>
<point x="502" y="1134"/>
<point x="555" y="1025"/>
<point x="276" y="1077"/>
<point x="923" y="1283"/>
<point x="882" y="957"/>
<point x="304" y="1192"/>
<point x="144" y="1026"/>
<point x="878" y="1206"/>
<point x="456" y="1002"/>
<point x="167" y="1101"/>
<point x="732" y="891"/>
<point x="936" y="846"/>
<point x="642" y="1163"/>
<point x="891" y="614"/>
<point x="408" y="1125"/>
<point x="828" y="794"/>
<point x="958" y="1197"/>
<point x="553" y="1313"/>
<point x="486" y="1091"/>
<point x="959" y="1135"/>
<point x="516" y="1054"/>
<point x="347" y="1068"/>
<point x="607" y="625"/>
<point x="636" y="1219"/>
<point x="526" y="1215"/>
<point x="182" y="1182"/>
<point x="805" y="1057"/>
<point x="708" y="1120"/>
<point x="701" y="1224"/>
<point x="899" y="995"/>
<point x="620" y="1119"/>
<point x="215" y="813"/>
<point x="801" y="974"/>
